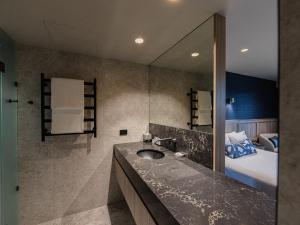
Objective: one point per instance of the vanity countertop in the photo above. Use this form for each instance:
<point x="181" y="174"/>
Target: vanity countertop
<point x="191" y="193"/>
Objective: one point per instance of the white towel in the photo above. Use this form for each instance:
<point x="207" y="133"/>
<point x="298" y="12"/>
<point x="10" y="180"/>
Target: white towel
<point x="204" y="117"/>
<point x="204" y="100"/>
<point x="67" y="105"/>
<point x="67" y="121"/>
<point x="67" y="93"/>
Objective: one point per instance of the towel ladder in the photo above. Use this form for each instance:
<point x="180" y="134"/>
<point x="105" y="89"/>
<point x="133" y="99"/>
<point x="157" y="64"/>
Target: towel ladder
<point x="44" y="131"/>
<point x="194" y="108"/>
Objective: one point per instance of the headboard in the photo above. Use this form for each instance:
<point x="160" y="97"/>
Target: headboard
<point x="252" y="127"/>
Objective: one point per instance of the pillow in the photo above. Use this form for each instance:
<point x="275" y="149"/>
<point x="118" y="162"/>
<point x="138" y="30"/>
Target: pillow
<point x="275" y="141"/>
<point x="238" y="150"/>
<point x="227" y="140"/>
<point x="236" y="138"/>
<point x="234" y="151"/>
<point x="248" y="145"/>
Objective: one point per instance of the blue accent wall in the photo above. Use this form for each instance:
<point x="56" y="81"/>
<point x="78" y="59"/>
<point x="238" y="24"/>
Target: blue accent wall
<point x="255" y="98"/>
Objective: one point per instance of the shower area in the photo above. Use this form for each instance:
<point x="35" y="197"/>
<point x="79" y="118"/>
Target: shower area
<point x="8" y="132"/>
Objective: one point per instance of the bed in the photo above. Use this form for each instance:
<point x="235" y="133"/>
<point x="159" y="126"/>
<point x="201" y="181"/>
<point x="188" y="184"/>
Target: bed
<point x="259" y="170"/>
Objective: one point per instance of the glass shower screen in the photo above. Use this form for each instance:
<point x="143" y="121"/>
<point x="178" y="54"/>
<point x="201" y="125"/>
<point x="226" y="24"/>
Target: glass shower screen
<point x="8" y="132"/>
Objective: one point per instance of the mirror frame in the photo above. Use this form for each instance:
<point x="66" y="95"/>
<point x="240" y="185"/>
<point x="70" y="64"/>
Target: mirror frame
<point x="219" y="88"/>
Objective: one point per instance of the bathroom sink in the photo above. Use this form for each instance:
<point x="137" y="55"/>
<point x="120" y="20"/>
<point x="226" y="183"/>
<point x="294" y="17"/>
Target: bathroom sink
<point x="150" y="154"/>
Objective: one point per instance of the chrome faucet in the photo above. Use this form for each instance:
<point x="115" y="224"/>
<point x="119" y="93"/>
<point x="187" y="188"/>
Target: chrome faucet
<point x="171" y="142"/>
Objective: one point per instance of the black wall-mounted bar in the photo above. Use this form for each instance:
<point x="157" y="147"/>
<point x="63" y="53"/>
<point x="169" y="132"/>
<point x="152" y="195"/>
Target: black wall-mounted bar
<point x="193" y="108"/>
<point x="43" y="129"/>
<point x="95" y="106"/>
<point x="44" y="83"/>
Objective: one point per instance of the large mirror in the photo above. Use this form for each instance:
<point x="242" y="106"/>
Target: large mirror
<point x="181" y="82"/>
<point x="181" y="94"/>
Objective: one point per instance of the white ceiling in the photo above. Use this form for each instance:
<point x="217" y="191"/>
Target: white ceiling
<point x="252" y="24"/>
<point x="179" y="56"/>
<point x="108" y="28"/>
<point x="105" y="28"/>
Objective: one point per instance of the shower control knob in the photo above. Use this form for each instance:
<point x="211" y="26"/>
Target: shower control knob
<point x="11" y="100"/>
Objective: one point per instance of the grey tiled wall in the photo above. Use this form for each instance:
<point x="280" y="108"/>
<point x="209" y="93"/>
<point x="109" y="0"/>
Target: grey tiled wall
<point x="70" y="174"/>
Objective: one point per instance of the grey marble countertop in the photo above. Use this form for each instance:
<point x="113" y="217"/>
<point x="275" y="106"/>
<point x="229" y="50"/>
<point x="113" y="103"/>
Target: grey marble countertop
<point x="194" y="194"/>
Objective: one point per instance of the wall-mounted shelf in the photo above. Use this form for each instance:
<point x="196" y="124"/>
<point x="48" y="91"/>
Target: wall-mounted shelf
<point x="44" y="94"/>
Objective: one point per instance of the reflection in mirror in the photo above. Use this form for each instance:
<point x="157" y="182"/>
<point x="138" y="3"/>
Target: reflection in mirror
<point x="181" y="82"/>
<point x="251" y="131"/>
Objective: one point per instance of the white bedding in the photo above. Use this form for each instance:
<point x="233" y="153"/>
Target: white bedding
<point x="262" y="166"/>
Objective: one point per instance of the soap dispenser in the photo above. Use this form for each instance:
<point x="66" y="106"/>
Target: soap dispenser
<point x="147" y="137"/>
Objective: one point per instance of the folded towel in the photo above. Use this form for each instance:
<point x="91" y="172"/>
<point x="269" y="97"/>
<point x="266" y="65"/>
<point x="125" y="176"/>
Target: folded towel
<point x="204" y="117"/>
<point x="67" y="105"/>
<point x="204" y="100"/>
<point x="67" y="93"/>
<point x="67" y="121"/>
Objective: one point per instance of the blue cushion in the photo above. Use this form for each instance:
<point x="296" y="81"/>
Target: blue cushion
<point x="275" y="141"/>
<point x="238" y="150"/>
<point x="248" y="145"/>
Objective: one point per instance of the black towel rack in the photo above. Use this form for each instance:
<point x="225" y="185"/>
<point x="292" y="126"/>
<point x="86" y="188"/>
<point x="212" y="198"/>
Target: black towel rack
<point x="194" y="108"/>
<point x="45" y="132"/>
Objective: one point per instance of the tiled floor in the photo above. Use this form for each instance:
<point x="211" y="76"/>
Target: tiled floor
<point x="116" y="214"/>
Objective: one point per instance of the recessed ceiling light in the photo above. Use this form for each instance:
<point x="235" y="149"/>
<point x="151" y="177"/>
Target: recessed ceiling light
<point x="139" y="40"/>
<point x="195" y="54"/>
<point x="243" y="50"/>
